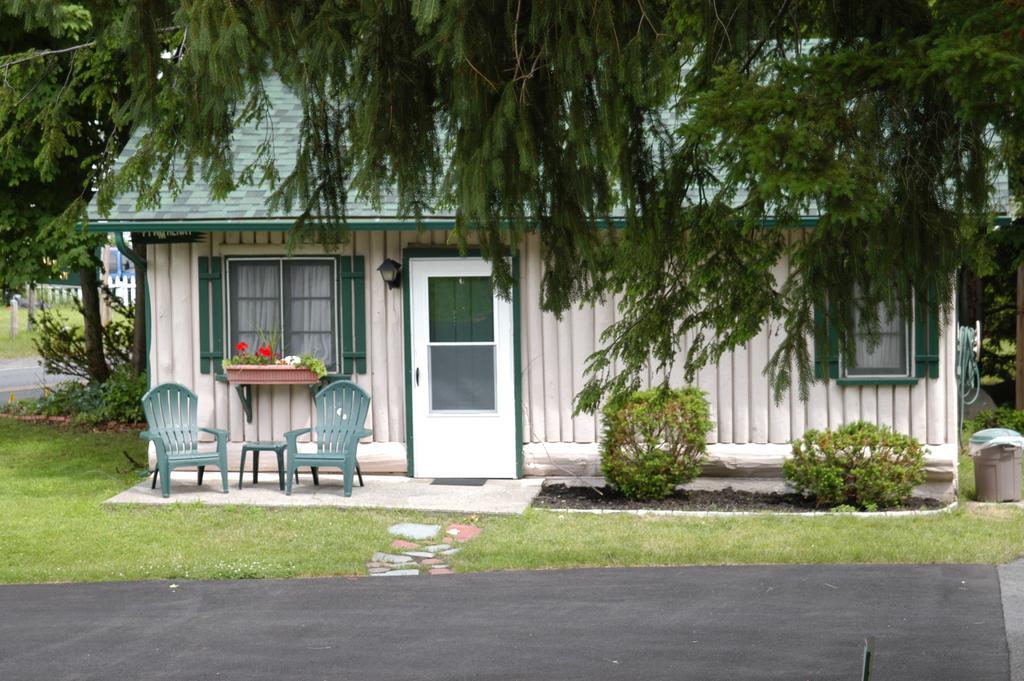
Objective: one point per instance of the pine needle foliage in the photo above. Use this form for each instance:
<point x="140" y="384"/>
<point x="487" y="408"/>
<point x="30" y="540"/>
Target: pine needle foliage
<point x="665" y="151"/>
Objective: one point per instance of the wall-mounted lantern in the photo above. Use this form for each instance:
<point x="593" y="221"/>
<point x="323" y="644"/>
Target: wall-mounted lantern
<point x="391" y="272"/>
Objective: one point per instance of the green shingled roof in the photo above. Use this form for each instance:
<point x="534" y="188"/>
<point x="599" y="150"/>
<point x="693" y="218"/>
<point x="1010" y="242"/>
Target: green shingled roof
<point x="249" y="203"/>
<point x="246" y="202"/>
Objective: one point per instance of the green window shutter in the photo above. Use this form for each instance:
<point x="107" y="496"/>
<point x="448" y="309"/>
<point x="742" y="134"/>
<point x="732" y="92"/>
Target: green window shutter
<point x="826" y="345"/>
<point x="926" y="336"/>
<point x="833" y="352"/>
<point x="353" y="315"/>
<point x="820" y="352"/>
<point x="211" y="316"/>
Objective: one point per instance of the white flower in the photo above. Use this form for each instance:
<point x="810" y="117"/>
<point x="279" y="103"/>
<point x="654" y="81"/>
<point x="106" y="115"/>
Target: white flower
<point x="292" y="360"/>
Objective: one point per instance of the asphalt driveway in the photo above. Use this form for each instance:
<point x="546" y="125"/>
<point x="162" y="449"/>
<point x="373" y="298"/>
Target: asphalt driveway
<point x="749" y="622"/>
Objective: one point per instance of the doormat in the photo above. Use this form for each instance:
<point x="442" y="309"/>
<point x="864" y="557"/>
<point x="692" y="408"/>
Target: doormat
<point x="461" y="482"/>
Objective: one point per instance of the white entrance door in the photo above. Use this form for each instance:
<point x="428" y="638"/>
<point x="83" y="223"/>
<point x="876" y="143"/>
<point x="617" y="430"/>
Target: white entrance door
<point x="463" y="399"/>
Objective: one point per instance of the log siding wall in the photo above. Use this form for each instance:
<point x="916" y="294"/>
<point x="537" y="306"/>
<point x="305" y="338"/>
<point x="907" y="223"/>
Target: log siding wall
<point x="554" y="353"/>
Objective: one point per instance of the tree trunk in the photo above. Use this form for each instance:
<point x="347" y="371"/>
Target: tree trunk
<point x="139" y="331"/>
<point x="31" y="308"/>
<point x="1020" y="336"/>
<point x="971" y="303"/>
<point x="139" y="349"/>
<point x="97" y="368"/>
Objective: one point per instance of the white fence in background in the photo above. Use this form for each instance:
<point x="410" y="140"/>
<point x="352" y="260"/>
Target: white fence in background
<point x="51" y="295"/>
<point x="123" y="287"/>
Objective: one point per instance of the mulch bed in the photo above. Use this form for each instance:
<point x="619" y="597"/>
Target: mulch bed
<point x="554" y="497"/>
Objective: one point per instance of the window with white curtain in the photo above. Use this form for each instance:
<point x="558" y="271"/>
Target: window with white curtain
<point x="291" y="301"/>
<point x="890" y="358"/>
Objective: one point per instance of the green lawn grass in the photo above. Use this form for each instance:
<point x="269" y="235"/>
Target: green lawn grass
<point x="54" y="528"/>
<point x="21" y="345"/>
<point x="967" y="492"/>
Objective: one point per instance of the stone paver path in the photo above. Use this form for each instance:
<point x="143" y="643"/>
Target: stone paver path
<point x="416" y="559"/>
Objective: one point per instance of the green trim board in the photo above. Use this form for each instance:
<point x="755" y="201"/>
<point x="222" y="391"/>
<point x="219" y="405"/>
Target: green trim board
<point x="181" y="228"/>
<point x="360" y="224"/>
<point x="877" y="381"/>
<point x="410" y="470"/>
<point x="517" y="364"/>
<point x="191" y="226"/>
<point x="448" y="252"/>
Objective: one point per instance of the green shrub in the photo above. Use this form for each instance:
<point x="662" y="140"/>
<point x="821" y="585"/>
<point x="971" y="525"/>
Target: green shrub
<point x="1001" y="417"/>
<point x="71" y="399"/>
<point x="859" y="464"/>
<point x="654" y="441"/>
<point x="122" y="396"/>
<point x="119" y="399"/>
<point x="61" y="344"/>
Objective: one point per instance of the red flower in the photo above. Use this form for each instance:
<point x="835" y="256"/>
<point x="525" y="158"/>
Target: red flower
<point x="242" y="347"/>
<point x="265" y="351"/>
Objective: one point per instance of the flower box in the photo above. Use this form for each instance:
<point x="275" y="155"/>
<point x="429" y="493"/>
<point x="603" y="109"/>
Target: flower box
<point x="270" y="374"/>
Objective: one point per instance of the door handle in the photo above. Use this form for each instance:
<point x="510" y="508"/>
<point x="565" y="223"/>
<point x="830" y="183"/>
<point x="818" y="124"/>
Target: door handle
<point x="417" y="375"/>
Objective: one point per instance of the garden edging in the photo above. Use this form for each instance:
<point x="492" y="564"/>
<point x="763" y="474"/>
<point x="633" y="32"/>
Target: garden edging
<point x="704" y="514"/>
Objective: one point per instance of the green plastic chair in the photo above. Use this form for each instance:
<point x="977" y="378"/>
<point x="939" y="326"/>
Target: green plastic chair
<point x="341" y="410"/>
<point x="171" y="411"/>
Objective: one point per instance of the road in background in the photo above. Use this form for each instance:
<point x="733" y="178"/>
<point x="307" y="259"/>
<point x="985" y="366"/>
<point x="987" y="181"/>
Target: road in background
<point x="25" y="378"/>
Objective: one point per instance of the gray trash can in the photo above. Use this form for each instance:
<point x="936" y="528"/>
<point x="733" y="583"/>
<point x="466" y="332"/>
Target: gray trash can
<point x="997" y="461"/>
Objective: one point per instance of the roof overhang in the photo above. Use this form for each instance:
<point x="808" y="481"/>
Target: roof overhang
<point x="353" y="224"/>
<point x="281" y="225"/>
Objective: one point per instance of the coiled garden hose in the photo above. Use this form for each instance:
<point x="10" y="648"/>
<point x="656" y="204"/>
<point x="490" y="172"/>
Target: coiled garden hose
<point x="968" y="380"/>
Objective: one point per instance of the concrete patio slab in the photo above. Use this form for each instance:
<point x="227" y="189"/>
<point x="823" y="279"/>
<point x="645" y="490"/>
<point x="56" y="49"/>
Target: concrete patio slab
<point x="381" y="491"/>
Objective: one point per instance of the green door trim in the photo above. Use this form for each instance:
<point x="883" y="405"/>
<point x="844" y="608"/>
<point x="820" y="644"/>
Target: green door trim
<point x="517" y="388"/>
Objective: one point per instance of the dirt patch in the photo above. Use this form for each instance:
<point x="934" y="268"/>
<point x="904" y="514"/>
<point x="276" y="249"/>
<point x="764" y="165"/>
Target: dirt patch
<point x="605" y="498"/>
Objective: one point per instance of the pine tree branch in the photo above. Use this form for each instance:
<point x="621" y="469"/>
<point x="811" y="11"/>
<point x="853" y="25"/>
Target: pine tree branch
<point x="757" y="49"/>
<point x="477" y="71"/>
<point x="64" y="50"/>
<point x="46" y="53"/>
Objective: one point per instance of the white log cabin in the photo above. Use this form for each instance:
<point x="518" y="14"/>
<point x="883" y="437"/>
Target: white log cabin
<point x="463" y="383"/>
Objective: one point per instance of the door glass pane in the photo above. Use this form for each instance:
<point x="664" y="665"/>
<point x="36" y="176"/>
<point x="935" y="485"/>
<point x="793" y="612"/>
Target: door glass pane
<point x="309" y="309"/>
<point x="462" y="378"/>
<point x="461" y="309"/>
<point x="255" y="302"/>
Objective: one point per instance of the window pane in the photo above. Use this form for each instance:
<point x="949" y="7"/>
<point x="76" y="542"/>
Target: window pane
<point x="255" y="302"/>
<point x="462" y="378"/>
<point x="309" y="317"/>
<point x="890" y="357"/>
<point x="317" y="344"/>
<point x="461" y="309"/>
